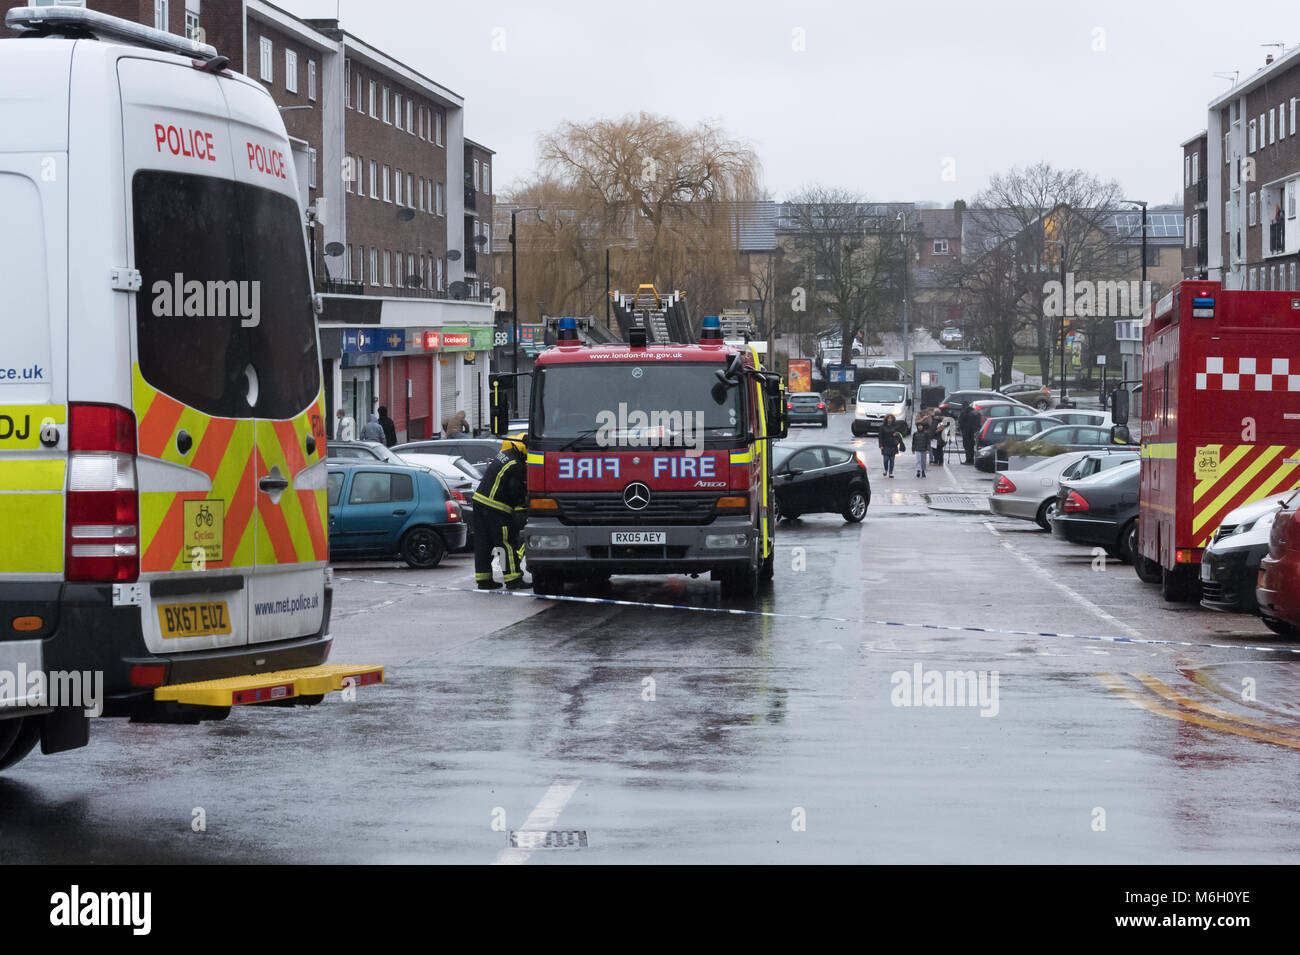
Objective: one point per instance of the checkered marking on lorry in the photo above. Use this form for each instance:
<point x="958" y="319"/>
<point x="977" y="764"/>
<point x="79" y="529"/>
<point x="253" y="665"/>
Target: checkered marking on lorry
<point x="1251" y="374"/>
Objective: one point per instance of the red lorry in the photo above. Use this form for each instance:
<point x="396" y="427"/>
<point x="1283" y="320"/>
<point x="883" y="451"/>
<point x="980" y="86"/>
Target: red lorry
<point x="650" y="459"/>
<point x="1220" y="420"/>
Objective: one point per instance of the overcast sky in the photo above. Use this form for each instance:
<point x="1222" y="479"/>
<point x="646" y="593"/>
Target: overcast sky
<point x="881" y="96"/>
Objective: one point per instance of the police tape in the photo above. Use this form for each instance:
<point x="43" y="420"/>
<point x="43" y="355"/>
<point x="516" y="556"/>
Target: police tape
<point x="610" y="601"/>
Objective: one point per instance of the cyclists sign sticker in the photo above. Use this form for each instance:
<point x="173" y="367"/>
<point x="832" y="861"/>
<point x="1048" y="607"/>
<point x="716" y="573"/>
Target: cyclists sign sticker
<point x="205" y="523"/>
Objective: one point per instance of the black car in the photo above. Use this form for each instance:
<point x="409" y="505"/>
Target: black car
<point x="997" y="430"/>
<point x="477" y="451"/>
<point x="956" y="402"/>
<point x="1230" y="565"/>
<point x="1100" y="510"/>
<point x="820" y="478"/>
<point x="806" y="407"/>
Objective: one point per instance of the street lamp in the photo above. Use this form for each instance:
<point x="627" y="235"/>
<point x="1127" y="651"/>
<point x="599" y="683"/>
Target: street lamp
<point x="902" y="217"/>
<point x="514" y="296"/>
<point x="1142" y="203"/>
<point x="1064" y="386"/>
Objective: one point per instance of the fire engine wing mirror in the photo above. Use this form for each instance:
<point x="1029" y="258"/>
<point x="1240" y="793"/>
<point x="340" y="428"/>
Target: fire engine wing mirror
<point x="1119" y="434"/>
<point x="1119" y="406"/>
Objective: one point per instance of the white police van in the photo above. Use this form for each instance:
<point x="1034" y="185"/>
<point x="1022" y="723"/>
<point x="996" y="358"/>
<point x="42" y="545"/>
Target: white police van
<point x="162" y="449"/>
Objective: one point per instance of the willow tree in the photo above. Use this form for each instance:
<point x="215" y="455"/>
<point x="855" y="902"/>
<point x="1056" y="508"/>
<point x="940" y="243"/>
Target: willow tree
<point x="659" y="196"/>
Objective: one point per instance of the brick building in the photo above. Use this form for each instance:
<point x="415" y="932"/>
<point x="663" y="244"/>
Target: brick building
<point x="1251" y="167"/>
<point x="380" y="153"/>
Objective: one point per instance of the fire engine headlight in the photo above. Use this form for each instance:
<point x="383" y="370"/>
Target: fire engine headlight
<point x="549" y="542"/>
<point x="726" y="540"/>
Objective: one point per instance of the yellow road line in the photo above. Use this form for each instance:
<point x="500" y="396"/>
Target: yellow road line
<point x="1122" y="690"/>
<point x="1173" y="696"/>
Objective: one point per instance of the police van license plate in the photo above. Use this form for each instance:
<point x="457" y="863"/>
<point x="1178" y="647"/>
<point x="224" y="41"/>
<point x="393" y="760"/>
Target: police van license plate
<point x="639" y="537"/>
<point x="194" y="619"/>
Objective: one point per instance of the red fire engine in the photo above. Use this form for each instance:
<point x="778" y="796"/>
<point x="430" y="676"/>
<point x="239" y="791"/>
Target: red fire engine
<point x="1220" y="420"/>
<point x="650" y="459"/>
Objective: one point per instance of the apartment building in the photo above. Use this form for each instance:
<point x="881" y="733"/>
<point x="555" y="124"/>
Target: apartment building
<point x="1251" y="169"/>
<point x="1196" y="251"/>
<point x="380" y="153"/>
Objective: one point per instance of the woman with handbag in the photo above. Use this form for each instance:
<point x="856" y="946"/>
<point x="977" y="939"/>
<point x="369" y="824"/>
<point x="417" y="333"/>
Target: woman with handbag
<point x="891" y="442"/>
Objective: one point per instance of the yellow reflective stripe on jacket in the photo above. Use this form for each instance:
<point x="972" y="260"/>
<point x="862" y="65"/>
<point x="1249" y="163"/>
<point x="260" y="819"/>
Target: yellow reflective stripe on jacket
<point x="495" y="505"/>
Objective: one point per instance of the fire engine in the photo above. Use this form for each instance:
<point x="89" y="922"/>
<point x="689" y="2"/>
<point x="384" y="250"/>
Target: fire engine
<point x="1220" y="421"/>
<point x="650" y="458"/>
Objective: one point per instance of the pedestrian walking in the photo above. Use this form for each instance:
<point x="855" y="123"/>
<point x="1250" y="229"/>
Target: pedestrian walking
<point x="921" y="446"/>
<point x="454" y="425"/>
<point x="390" y="429"/>
<point x="891" y="442"/>
<point x="346" y="428"/>
<point x="941" y="425"/>
<point x="967" y="424"/>
<point x="372" y="430"/>
<point x="497" y="517"/>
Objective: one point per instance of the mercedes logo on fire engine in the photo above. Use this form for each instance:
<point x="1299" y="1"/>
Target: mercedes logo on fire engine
<point x="636" y="496"/>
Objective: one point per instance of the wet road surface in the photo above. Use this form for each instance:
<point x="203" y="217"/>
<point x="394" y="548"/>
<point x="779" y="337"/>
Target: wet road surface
<point x="647" y="734"/>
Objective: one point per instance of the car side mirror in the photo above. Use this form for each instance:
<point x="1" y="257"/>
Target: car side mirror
<point x="792" y="473"/>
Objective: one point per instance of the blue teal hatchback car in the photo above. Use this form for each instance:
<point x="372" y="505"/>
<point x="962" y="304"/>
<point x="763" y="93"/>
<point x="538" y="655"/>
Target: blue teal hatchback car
<point x="388" y="510"/>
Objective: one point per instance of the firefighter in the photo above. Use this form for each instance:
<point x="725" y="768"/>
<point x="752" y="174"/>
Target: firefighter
<point x="500" y="505"/>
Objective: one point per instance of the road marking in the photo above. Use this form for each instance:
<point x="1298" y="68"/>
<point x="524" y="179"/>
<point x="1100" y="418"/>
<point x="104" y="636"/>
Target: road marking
<point x="541" y="819"/>
<point x="1064" y="588"/>
<point x="1173" y="696"/>
<point x="1125" y="692"/>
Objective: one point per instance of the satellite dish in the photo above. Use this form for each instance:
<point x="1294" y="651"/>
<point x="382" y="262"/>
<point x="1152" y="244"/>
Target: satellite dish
<point x="406" y="214"/>
<point x="480" y="240"/>
<point x="414" y="281"/>
<point x="334" y="249"/>
<point x="459" y="290"/>
<point x="453" y="255"/>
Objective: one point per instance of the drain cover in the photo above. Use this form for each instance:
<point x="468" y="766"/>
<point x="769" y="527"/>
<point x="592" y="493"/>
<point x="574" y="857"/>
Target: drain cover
<point x="969" y="503"/>
<point x="548" y="838"/>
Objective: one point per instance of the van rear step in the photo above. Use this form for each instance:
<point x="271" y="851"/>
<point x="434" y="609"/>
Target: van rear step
<point x="270" y="687"/>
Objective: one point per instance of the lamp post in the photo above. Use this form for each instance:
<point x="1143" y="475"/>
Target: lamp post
<point x="514" y="298"/>
<point x="1142" y="203"/>
<point x="1061" y="257"/>
<point x="902" y="217"/>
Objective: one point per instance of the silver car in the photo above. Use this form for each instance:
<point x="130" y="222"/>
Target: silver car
<point x="1030" y="494"/>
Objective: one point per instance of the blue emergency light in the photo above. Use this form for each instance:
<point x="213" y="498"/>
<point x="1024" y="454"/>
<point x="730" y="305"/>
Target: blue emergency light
<point x="567" y="331"/>
<point x="711" y="331"/>
<point x="1203" y="306"/>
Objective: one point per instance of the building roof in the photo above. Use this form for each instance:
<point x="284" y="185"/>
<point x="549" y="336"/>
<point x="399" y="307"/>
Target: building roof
<point x="940" y="223"/>
<point x="755" y="225"/>
<point x="1280" y="65"/>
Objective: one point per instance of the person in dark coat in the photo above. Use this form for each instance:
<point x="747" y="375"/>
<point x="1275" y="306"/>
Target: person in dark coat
<point x="921" y="446"/>
<point x="941" y="425"/>
<point x="891" y="442"/>
<point x="968" y="424"/>
<point x="499" y="503"/>
<point x="390" y="429"/>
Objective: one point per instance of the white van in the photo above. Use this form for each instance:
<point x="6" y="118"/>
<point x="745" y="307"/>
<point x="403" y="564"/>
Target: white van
<point x="162" y="449"/>
<point x="876" y="399"/>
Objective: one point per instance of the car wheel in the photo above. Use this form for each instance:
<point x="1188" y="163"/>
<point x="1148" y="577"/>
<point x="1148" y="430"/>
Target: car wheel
<point x="856" y="508"/>
<point x="742" y="584"/>
<point x="1280" y="627"/>
<point x="1046" y="511"/>
<point x="422" y="548"/>
<point x="1126" y="541"/>
<point x="858" y="429"/>
<point x="1042" y="404"/>
<point x="18" y="737"/>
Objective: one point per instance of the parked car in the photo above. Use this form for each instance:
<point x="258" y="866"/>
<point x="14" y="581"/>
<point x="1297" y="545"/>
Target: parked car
<point x="951" y="335"/>
<point x="819" y="478"/>
<point x="875" y="400"/>
<point x="1030" y="493"/>
<point x="1040" y="396"/>
<point x="1099" y="419"/>
<point x="1019" y="428"/>
<point x="1278" y="590"/>
<point x="477" y="451"/>
<point x="1100" y="510"/>
<point x="956" y="403"/>
<point x="1230" y="565"/>
<point x="388" y="510"/>
<point x="806" y="407"/>
<point x="1002" y="408"/>
<point x="459" y="474"/>
<point x="359" y="451"/>
<point x="1068" y="437"/>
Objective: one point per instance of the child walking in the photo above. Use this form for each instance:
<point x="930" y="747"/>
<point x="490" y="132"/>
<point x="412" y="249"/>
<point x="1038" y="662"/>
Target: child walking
<point x="921" y="447"/>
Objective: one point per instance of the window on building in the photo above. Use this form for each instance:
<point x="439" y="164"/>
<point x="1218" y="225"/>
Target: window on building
<point x="487" y="238"/>
<point x="373" y="91"/>
<point x="487" y="180"/>
<point x="1254" y="279"/>
<point x="1263" y="130"/>
<point x="160" y="14"/>
<point x="347" y="83"/>
<point x="360" y="101"/>
<point x="1227" y="217"/>
<point x="475" y="175"/>
<point x="311" y="168"/>
<point x="1187" y="232"/>
<point x="388" y="269"/>
<point x="291" y="70"/>
<point x="1293" y="99"/>
<point x="192" y="30"/>
<point x="374" y="179"/>
<point x="1291" y="270"/>
<point x="1196" y="168"/>
<point x="388" y="117"/>
<point x="437" y="127"/>
<point x="1281" y="121"/>
<point x="440" y="198"/>
<point x="421" y="199"/>
<point x="940" y="246"/>
<point x="1196" y="230"/>
<point x="388" y="187"/>
<point x="311" y="79"/>
<point x="397" y="109"/>
<point x="267" y="62"/>
<point x="349" y="167"/>
<point x="1250" y="209"/>
<point x="1187" y="171"/>
<point x="1250" y="138"/>
<point x="1272" y="127"/>
<point x="1290" y="199"/>
<point x="410" y="126"/>
<point x="1227" y="149"/>
<point x="397" y="186"/>
<point x="374" y="266"/>
<point x="439" y="277"/>
<point x="410" y="190"/>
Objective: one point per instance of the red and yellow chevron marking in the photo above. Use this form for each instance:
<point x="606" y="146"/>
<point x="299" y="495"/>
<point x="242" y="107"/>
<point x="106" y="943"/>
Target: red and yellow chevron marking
<point x="1247" y="472"/>
<point x="233" y="453"/>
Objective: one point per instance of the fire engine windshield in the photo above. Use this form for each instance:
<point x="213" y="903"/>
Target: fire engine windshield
<point x="635" y="405"/>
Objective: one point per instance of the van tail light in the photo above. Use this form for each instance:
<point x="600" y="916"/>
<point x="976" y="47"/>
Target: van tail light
<point x="1004" y="485"/>
<point x="1074" y="503"/>
<point x="102" y="540"/>
<point x="453" y="512"/>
